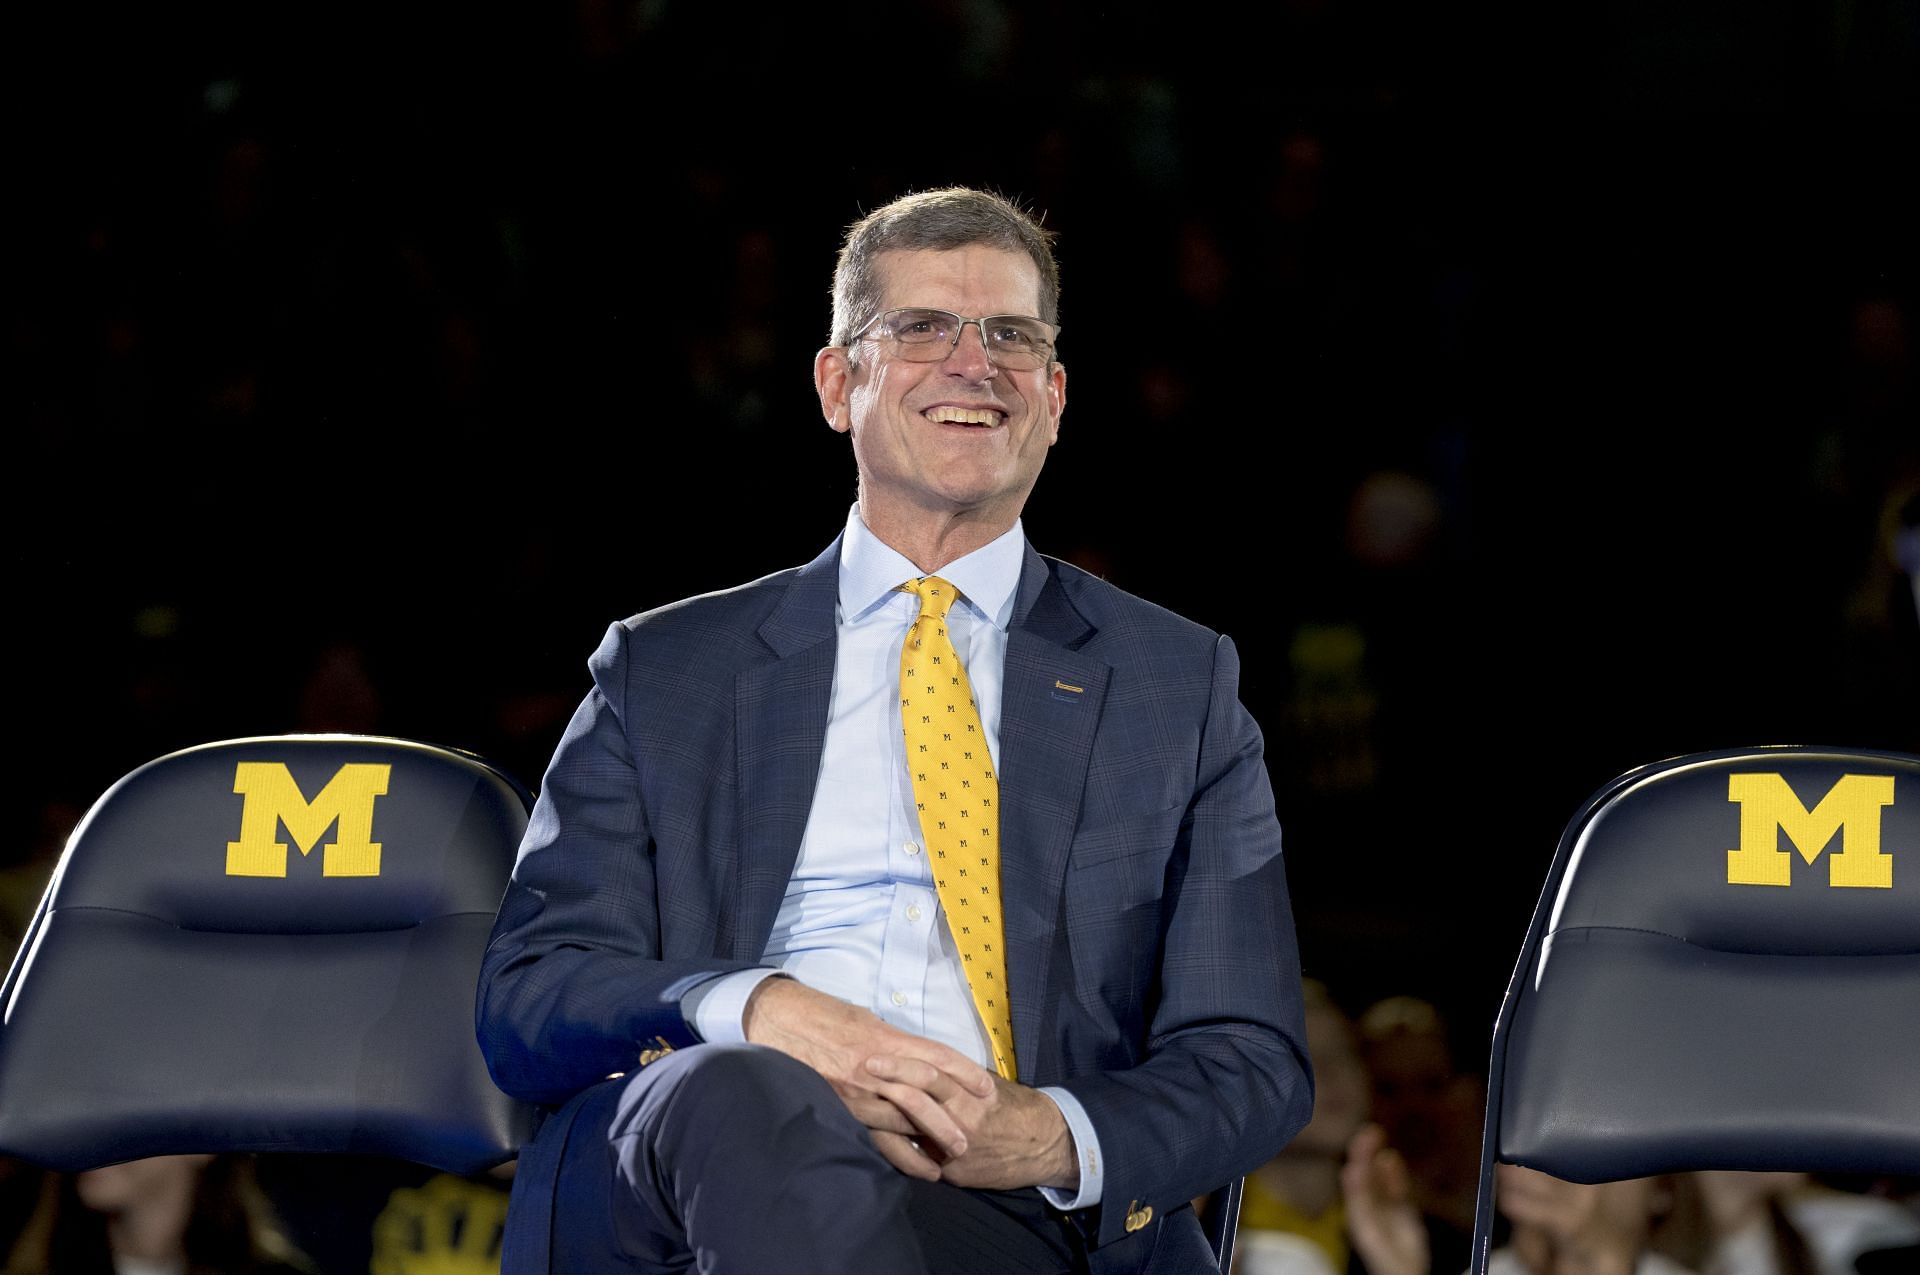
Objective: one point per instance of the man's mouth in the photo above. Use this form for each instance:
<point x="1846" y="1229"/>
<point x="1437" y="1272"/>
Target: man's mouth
<point x="963" y="416"/>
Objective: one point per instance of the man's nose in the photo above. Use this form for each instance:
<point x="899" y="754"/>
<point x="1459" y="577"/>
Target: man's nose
<point x="968" y="357"/>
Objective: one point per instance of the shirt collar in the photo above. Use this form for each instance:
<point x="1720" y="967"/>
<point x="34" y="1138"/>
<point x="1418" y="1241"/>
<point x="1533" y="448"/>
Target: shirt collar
<point x="871" y="570"/>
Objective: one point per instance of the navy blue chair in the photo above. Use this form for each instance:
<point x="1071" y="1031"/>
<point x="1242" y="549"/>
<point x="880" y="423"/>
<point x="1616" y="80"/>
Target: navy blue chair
<point x="1722" y="972"/>
<point x="1220" y="1219"/>
<point x="268" y="945"/>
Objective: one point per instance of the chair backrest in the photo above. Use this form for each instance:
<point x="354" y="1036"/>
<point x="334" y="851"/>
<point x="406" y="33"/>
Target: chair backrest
<point x="1221" y="1219"/>
<point x="268" y="945"/>
<point x="1723" y="972"/>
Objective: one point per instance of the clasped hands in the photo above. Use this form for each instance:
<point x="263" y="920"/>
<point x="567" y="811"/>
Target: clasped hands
<point x="934" y="1113"/>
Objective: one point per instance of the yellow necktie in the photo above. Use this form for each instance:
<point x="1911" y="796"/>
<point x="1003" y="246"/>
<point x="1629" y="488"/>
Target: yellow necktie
<point x="959" y="803"/>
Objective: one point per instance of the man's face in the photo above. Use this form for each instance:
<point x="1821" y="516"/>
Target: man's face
<point x="955" y="436"/>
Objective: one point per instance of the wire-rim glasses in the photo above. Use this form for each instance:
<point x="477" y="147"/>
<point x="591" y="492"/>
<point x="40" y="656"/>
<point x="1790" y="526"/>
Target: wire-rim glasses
<point x="1015" y="342"/>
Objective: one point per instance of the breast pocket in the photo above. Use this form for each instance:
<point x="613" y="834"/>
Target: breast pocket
<point x="1119" y="832"/>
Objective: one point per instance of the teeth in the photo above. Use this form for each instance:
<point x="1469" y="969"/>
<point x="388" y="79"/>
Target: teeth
<point x="962" y="416"/>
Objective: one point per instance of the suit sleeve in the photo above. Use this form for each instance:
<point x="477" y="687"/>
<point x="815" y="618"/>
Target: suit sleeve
<point x="573" y="986"/>
<point x="1225" y="1083"/>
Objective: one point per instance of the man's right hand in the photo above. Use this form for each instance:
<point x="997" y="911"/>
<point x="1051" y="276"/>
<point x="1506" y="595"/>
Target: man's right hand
<point x="912" y="1127"/>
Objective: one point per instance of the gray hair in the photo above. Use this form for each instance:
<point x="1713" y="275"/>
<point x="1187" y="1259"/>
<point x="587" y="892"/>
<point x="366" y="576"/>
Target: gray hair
<point x="952" y="217"/>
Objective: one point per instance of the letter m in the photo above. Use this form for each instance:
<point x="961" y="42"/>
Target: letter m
<point x="1851" y="809"/>
<point x="273" y="799"/>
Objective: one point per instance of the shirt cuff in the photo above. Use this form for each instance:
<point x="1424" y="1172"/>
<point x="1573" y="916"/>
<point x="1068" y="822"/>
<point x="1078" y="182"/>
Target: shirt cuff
<point x="1086" y="1149"/>
<point x="716" y="1010"/>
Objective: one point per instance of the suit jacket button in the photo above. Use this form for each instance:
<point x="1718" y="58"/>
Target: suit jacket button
<point x="1138" y="1217"/>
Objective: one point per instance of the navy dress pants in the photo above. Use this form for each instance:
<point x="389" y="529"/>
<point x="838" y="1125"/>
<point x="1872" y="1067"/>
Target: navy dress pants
<point x="738" y="1160"/>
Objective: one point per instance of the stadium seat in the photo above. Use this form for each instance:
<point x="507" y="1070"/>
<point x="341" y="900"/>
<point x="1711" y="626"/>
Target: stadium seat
<point x="268" y="945"/>
<point x="1722" y="972"/>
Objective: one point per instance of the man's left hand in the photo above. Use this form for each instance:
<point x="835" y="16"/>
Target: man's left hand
<point x="1016" y="1136"/>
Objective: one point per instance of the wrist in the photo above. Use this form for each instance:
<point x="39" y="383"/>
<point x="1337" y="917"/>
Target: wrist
<point x="1058" y="1167"/>
<point x="758" y="1003"/>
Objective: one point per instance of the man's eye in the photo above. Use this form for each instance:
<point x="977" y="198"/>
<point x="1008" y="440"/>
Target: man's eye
<point x="921" y="325"/>
<point x="1014" y="334"/>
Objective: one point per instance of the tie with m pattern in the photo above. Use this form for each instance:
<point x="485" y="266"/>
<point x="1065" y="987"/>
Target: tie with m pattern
<point x="958" y="800"/>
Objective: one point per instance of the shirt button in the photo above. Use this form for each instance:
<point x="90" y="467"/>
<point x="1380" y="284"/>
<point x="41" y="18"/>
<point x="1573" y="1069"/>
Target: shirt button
<point x="913" y="911"/>
<point x="899" y="998"/>
<point x="912" y="847"/>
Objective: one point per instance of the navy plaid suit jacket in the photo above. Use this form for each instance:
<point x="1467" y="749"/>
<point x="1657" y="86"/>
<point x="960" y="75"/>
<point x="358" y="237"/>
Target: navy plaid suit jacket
<point x="1151" y="955"/>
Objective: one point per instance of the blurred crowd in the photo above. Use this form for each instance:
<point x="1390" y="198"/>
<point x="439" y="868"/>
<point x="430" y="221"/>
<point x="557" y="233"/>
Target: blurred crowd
<point x="251" y="1215"/>
<point x="1383" y="1181"/>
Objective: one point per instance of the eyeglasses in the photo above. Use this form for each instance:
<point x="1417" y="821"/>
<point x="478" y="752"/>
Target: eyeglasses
<point x="1013" y="341"/>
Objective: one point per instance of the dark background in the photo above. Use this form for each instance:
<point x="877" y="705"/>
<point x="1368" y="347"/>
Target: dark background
<point x="1530" y="397"/>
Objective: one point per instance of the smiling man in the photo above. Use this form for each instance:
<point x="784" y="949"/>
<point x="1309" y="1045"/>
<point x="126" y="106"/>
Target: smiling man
<point x="918" y="909"/>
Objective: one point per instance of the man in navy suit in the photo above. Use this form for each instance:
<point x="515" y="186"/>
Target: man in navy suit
<point x="722" y="957"/>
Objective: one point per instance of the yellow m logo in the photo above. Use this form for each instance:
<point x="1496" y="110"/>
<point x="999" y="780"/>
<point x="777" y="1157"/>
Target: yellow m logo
<point x="273" y="799"/>
<point x="1851" y="808"/>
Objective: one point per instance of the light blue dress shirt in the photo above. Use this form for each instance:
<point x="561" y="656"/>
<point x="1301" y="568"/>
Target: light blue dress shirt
<point x="861" y="919"/>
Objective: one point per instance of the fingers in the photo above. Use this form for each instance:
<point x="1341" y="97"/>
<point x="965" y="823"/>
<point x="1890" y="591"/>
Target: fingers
<point x="1018" y="1138"/>
<point x="1368" y="1141"/>
<point x="1391" y="1176"/>
<point x="905" y="1155"/>
<point x="933" y="1124"/>
<point x="1374" y="1170"/>
<point x="938" y="1083"/>
<point x="940" y="1108"/>
<point x="836" y="1038"/>
<point x="1565" y="1209"/>
<point x="953" y="1064"/>
<point x="879" y="1114"/>
<point x="919" y="1074"/>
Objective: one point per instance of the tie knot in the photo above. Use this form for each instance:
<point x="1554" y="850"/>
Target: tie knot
<point x="935" y="595"/>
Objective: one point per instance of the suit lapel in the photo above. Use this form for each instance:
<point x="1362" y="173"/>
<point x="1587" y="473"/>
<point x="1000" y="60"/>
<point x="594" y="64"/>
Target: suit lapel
<point x="1049" y="710"/>
<point x="780" y="728"/>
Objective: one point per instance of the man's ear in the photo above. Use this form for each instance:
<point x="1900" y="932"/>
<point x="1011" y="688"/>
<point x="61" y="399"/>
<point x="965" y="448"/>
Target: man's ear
<point x="832" y="379"/>
<point x="1056" y="399"/>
